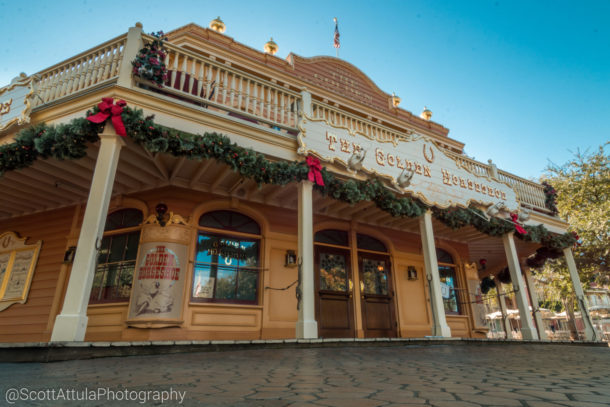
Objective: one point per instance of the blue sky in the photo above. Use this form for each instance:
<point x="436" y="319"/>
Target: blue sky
<point x="520" y="82"/>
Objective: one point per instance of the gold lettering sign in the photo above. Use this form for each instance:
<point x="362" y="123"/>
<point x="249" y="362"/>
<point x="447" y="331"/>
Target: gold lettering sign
<point x="414" y="165"/>
<point x="17" y="263"/>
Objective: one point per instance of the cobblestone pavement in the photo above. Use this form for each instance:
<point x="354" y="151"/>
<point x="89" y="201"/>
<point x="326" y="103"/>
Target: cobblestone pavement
<point x="441" y="375"/>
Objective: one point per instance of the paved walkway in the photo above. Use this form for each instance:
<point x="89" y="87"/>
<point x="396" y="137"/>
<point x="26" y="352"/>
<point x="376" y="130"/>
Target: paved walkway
<point x="452" y="375"/>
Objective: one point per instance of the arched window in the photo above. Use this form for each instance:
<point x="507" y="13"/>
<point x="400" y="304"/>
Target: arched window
<point x="117" y="257"/>
<point x="227" y="263"/>
<point x="449" y="284"/>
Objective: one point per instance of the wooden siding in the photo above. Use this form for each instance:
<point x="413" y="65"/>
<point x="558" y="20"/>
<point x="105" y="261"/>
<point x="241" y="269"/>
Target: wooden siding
<point x="29" y="322"/>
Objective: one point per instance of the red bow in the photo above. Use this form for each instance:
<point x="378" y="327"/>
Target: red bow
<point x="314" y="170"/>
<point x="518" y="227"/>
<point x="107" y="109"/>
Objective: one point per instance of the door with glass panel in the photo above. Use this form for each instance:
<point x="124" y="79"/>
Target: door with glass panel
<point x="334" y="286"/>
<point x="376" y="296"/>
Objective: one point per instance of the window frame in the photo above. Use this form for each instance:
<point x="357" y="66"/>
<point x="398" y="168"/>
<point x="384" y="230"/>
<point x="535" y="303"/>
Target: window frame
<point x="456" y="288"/>
<point x="229" y="234"/>
<point x="112" y="233"/>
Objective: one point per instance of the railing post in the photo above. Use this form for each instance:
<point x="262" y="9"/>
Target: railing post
<point x="71" y="323"/>
<point x="306" y="326"/>
<point x="133" y="44"/>
<point x="527" y="324"/>
<point x="439" y="327"/>
<point x="493" y="169"/>
<point x="306" y="107"/>
<point x="590" y="334"/>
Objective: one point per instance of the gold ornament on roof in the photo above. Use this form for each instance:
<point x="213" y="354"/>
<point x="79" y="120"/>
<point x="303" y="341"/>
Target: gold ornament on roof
<point x="218" y="25"/>
<point x="395" y="100"/>
<point x="426" y="114"/>
<point x="271" y="47"/>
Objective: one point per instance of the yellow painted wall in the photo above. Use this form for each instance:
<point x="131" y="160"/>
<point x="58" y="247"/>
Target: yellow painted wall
<point x="275" y="315"/>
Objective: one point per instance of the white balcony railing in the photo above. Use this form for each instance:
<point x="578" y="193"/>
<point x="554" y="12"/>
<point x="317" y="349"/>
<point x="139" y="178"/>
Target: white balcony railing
<point x="83" y="71"/>
<point x="368" y="128"/>
<point x="217" y="85"/>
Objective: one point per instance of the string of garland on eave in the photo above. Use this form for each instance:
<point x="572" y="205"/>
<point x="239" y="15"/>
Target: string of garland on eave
<point x="70" y="141"/>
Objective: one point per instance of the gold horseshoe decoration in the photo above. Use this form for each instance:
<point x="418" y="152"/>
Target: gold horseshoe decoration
<point x="430" y="159"/>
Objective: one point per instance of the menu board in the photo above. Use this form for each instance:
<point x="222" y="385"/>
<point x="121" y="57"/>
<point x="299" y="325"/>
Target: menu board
<point x="17" y="263"/>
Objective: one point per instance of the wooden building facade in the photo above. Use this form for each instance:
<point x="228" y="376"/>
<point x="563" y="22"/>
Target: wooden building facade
<point x="132" y="241"/>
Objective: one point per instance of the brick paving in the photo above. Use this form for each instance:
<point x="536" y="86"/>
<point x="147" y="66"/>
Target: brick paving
<point x="451" y="375"/>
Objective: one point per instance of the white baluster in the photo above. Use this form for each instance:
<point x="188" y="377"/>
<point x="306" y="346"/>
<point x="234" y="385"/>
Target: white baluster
<point x="282" y="107"/>
<point x="247" y="95"/>
<point x="240" y="92"/>
<point x="106" y="60"/>
<point x="192" y="78"/>
<point x="232" y="91"/>
<point x="217" y="84"/>
<point x="174" y="69"/>
<point x="183" y="72"/>
<point x="114" y="66"/>
<point x="200" y="79"/>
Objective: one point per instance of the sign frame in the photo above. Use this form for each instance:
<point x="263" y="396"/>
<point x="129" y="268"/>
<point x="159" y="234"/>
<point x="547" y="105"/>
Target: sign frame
<point x="442" y="187"/>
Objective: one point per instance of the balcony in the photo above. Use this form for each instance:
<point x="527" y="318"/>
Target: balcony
<point x="215" y="86"/>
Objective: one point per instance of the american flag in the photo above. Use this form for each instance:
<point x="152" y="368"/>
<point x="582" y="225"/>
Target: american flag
<point x="336" y="44"/>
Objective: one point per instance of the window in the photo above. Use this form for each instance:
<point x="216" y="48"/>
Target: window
<point x="334" y="237"/>
<point x="448" y="277"/>
<point x="117" y="257"/>
<point x="227" y="264"/>
<point x="365" y="242"/>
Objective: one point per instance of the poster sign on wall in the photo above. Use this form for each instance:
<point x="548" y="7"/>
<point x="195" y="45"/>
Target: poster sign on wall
<point x="158" y="288"/>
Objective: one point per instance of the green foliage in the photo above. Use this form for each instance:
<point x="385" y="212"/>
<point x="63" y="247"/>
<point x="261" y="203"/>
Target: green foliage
<point x="150" y="61"/>
<point x="583" y="199"/>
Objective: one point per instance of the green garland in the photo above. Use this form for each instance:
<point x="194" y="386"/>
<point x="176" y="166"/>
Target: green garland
<point x="70" y="141"/>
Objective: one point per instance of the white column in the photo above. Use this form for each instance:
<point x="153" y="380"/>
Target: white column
<point x="307" y="327"/>
<point x="440" y="327"/>
<point x="71" y="323"/>
<point x="528" y="331"/>
<point x="133" y="44"/>
<point x="502" y="302"/>
<point x="531" y="288"/>
<point x="590" y="334"/>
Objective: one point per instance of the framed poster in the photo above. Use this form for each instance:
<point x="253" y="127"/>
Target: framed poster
<point x="158" y="285"/>
<point x="17" y="264"/>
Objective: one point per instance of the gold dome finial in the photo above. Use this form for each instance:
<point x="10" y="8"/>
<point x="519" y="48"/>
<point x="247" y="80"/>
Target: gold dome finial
<point x="271" y="47"/>
<point x="395" y="100"/>
<point x="426" y="114"/>
<point x="218" y="25"/>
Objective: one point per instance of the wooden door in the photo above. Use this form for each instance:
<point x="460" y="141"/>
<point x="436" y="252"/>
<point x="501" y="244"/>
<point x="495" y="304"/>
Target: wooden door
<point x="376" y="296"/>
<point x="334" y="302"/>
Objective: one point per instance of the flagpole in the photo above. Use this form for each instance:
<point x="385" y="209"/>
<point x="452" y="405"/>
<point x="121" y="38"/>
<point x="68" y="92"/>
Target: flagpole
<point x="336" y="37"/>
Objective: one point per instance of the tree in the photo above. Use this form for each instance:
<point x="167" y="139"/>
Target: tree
<point x="582" y="187"/>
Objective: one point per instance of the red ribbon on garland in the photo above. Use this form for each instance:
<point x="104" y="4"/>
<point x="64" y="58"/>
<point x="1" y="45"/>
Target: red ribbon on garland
<point x="518" y="227"/>
<point x="108" y="109"/>
<point x="314" y="170"/>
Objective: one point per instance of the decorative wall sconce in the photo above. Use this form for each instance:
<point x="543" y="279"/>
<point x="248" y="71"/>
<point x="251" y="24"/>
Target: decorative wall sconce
<point x="291" y="259"/>
<point x="404" y="179"/>
<point x="494" y="210"/>
<point x="162" y="215"/>
<point x="69" y="255"/>
<point x="355" y="161"/>
<point x="483" y="263"/>
<point x="411" y="273"/>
